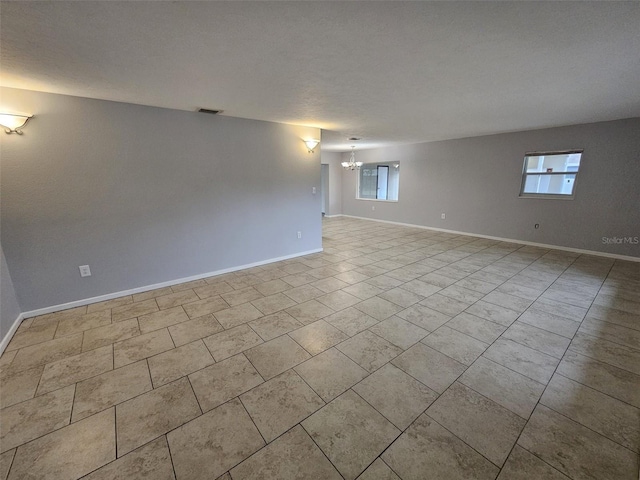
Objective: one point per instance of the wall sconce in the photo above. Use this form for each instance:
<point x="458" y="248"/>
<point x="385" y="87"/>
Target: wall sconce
<point x="13" y="123"/>
<point x="311" y="144"/>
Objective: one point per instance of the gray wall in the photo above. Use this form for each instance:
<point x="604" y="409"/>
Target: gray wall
<point x="476" y="182"/>
<point x="9" y="308"/>
<point x="333" y="159"/>
<point x="147" y="195"/>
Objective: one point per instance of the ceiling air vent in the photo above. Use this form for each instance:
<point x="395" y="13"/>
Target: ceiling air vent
<point x="209" y="111"/>
<point x="354" y="139"/>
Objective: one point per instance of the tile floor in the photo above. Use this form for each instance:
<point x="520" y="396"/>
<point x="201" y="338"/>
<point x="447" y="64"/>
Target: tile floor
<point x="395" y="353"/>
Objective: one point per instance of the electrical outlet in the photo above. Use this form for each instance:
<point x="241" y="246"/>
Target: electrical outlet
<point x="85" y="271"/>
<point x="443" y="216"/>
<point x="313" y="190"/>
<point x="299" y="235"/>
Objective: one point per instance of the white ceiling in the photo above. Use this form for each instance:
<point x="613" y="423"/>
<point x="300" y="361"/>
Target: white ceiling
<point x="390" y="72"/>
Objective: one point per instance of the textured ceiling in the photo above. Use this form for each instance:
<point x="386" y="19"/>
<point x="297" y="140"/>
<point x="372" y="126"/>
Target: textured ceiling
<point x="390" y="72"/>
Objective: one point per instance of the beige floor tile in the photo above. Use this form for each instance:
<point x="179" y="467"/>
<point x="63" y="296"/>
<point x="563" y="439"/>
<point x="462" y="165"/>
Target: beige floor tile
<point x="280" y="403"/>
<point x="538" y="339"/>
<point x="176" y="299"/>
<point x="241" y="280"/>
<point x="575" y="450"/>
<point x="213" y="443"/>
<point x="213" y="289"/>
<point x="104" y="391"/>
<point x="223" y="381"/>
<point x="19" y="386"/>
<point x="154" y="413"/>
<point x="437" y="279"/>
<point x="363" y="290"/>
<point x="383" y="281"/>
<point x="81" y="323"/>
<point x="47" y="352"/>
<point x="603" y="377"/>
<point x="272" y="287"/>
<point x="273" y="303"/>
<point x="518" y="290"/>
<point x="420" y="288"/>
<point x="396" y="395"/>
<point x="378" y="308"/>
<point x="74" y="369"/>
<point x="243" y="295"/>
<point x="476" y="327"/>
<point x="481" y="423"/>
<point x="108" y="304"/>
<point x="5" y="360"/>
<point x="6" y="459"/>
<point x="149" y="294"/>
<point x="477" y="285"/>
<point x="351" y="277"/>
<point x="351" y="321"/>
<point x="494" y="313"/>
<point x="133" y="310"/>
<point x="293" y="456"/>
<point x="191" y="330"/>
<point x="612" y="418"/>
<point x="33" y="418"/>
<point x="140" y="347"/>
<point x="351" y="433"/>
<point x="275" y="356"/>
<point x="230" y="342"/>
<point x="206" y="306"/>
<point x="163" y="319"/>
<point x="401" y="297"/>
<point x="234" y="316"/>
<point x="70" y="452"/>
<point x="505" y="387"/>
<point x="330" y="373"/>
<point x="549" y="322"/>
<point x="187" y="285"/>
<point x="527" y="361"/>
<point x="522" y="465"/>
<point x="328" y="285"/>
<point x="428" y="447"/>
<point x="424" y="317"/>
<point x="443" y="304"/>
<point x="273" y="326"/>
<point x="298" y="279"/>
<point x="101" y="336"/>
<point x="454" y="344"/>
<point x="369" y="350"/>
<point x="378" y="470"/>
<point x="604" y="351"/>
<point x="151" y="461"/>
<point x="399" y="332"/>
<point x="338" y="300"/>
<point x="309" y="312"/>
<point x="303" y="293"/>
<point x="318" y="336"/>
<point x="33" y="335"/>
<point x="435" y="370"/>
<point x="178" y="362"/>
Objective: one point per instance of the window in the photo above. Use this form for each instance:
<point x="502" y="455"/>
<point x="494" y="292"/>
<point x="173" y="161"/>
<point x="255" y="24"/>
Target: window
<point x="550" y="174"/>
<point x="379" y="181"/>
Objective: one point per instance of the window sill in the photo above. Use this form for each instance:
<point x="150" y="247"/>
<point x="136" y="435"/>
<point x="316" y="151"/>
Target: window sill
<point x="376" y="200"/>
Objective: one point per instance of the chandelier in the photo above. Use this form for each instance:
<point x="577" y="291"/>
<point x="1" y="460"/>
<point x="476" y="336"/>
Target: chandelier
<point x="352" y="164"/>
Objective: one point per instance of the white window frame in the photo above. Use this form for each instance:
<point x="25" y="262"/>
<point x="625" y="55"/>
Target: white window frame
<point x="552" y="196"/>
<point x="379" y="164"/>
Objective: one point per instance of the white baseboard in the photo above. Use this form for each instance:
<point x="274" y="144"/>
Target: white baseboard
<point x="109" y="296"/>
<point x="7" y="338"/>
<point x="502" y="239"/>
<point x="333" y="216"/>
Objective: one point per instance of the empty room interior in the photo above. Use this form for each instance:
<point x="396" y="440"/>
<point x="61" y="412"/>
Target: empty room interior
<point x="307" y="240"/>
